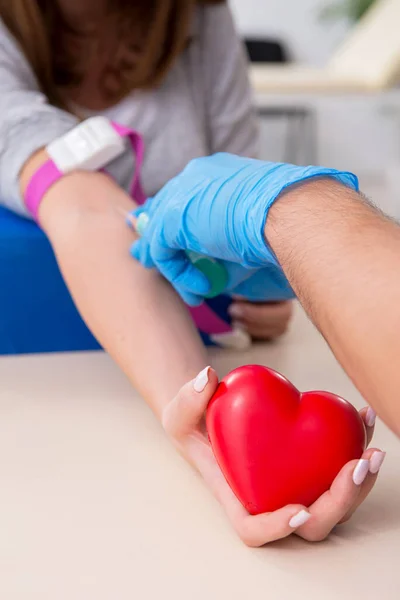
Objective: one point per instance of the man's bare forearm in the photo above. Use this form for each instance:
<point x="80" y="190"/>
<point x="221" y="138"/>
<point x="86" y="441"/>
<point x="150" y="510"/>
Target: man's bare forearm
<point x="342" y="257"/>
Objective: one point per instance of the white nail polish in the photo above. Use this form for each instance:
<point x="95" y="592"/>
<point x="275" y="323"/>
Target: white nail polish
<point x="201" y="380"/>
<point x="235" y="311"/>
<point x="361" y="471"/>
<point x="238" y="325"/>
<point x="370" y="417"/>
<point x="238" y="339"/>
<point x="375" y="462"/>
<point x="299" y="519"/>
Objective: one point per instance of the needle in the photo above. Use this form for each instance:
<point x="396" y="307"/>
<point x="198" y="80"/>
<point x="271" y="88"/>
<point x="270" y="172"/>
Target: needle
<point x="130" y="219"/>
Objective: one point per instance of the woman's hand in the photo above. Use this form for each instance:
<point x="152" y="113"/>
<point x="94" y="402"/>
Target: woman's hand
<point x="183" y="420"/>
<point x="262" y="320"/>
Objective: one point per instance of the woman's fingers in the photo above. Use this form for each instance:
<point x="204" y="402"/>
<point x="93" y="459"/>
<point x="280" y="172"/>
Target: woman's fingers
<point x="186" y="411"/>
<point x="376" y="458"/>
<point x="349" y="489"/>
<point x="368" y="415"/>
<point x="260" y="312"/>
<point x="262" y="320"/>
<point x="255" y="530"/>
<point x="182" y="420"/>
<point x="263" y="333"/>
<point x="259" y="530"/>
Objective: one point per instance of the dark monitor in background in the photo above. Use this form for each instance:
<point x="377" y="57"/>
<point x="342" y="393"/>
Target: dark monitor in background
<point x="270" y="51"/>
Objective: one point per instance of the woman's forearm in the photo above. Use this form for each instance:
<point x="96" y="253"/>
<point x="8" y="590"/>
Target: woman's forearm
<point x="134" y="313"/>
<point x="342" y="258"/>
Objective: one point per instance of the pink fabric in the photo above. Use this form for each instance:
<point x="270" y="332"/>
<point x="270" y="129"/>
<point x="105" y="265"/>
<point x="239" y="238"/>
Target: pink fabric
<point x="137" y="143"/>
<point x="207" y="320"/>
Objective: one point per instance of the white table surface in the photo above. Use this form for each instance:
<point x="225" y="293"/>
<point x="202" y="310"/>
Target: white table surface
<point x="95" y="503"/>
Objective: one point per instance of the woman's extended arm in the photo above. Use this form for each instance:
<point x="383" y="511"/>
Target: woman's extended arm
<point x="135" y="314"/>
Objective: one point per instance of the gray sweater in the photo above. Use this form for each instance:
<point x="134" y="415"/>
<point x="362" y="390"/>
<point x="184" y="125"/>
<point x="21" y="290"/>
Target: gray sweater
<point x="203" y="106"/>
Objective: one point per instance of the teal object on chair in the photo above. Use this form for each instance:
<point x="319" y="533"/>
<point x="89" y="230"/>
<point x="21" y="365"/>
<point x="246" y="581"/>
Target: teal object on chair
<point x="37" y="313"/>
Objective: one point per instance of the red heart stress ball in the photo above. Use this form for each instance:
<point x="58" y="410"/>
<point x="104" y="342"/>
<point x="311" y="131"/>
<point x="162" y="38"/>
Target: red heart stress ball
<point x="275" y="445"/>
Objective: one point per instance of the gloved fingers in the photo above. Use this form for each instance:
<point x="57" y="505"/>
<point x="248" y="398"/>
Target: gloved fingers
<point x="140" y="250"/>
<point x="173" y="264"/>
<point x="190" y="299"/>
<point x="176" y="267"/>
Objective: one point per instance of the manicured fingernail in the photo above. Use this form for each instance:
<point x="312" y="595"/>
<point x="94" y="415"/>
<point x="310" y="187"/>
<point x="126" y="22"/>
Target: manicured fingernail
<point x="361" y="471"/>
<point x="238" y="325"/>
<point x="235" y="311"/>
<point x="376" y="461"/>
<point x="370" y="417"/>
<point x="201" y="380"/>
<point x="299" y="519"/>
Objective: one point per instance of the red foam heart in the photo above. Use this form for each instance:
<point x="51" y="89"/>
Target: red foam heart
<point x="275" y="445"/>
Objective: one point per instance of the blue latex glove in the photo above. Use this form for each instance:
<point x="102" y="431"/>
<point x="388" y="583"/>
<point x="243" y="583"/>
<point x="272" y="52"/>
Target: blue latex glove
<point x="265" y="285"/>
<point x="217" y="207"/>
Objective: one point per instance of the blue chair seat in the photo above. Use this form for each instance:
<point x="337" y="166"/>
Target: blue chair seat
<point x="37" y="313"/>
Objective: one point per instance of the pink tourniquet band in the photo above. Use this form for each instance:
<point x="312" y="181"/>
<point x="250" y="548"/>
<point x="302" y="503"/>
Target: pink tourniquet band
<point x="43" y="179"/>
<point x="48" y="173"/>
<point x="205" y="318"/>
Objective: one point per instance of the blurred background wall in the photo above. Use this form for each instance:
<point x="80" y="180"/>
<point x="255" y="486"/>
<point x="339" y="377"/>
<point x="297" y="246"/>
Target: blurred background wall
<point x="296" y="21"/>
<point x="359" y="133"/>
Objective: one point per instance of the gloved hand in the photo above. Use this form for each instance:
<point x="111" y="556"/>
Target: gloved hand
<point x="217" y="207"/>
<point x="263" y="285"/>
